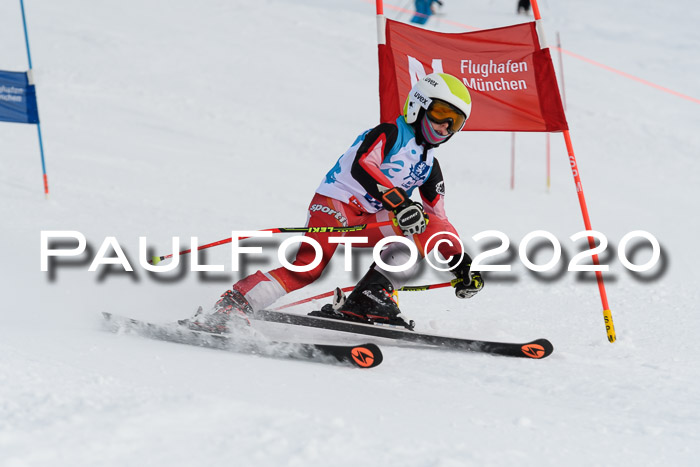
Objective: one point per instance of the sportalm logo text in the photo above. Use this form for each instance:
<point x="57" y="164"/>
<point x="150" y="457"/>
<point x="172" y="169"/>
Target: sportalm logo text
<point x="331" y="212"/>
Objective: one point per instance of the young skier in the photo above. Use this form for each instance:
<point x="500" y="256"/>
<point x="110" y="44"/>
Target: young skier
<point x="372" y="182"/>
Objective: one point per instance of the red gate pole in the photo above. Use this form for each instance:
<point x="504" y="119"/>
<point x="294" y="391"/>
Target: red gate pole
<point x="607" y="314"/>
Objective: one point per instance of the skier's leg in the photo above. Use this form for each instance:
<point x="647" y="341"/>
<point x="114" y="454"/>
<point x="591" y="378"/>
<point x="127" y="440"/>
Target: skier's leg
<point x="438" y="232"/>
<point x="262" y="289"/>
<point x="372" y="298"/>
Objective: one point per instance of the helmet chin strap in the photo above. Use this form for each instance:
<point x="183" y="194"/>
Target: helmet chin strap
<point x="429" y="133"/>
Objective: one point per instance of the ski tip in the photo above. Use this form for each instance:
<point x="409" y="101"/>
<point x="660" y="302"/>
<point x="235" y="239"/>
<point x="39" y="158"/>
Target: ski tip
<point x="366" y="355"/>
<point x="537" y="349"/>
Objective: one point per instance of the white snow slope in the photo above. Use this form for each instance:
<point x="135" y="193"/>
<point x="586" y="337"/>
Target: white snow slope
<point x="177" y="119"/>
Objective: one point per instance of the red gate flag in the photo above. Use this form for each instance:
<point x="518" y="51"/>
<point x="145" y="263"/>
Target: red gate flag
<point x="509" y="75"/>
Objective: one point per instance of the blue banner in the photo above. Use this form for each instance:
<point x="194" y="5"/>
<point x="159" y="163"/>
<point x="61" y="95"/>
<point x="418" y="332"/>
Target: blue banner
<point x="17" y="98"/>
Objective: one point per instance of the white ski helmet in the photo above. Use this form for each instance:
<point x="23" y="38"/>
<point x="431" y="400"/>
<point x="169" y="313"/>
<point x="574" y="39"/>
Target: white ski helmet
<point x="439" y="86"/>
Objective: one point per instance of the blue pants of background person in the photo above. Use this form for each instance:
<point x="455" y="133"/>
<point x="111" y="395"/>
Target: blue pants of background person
<point x="423" y="11"/>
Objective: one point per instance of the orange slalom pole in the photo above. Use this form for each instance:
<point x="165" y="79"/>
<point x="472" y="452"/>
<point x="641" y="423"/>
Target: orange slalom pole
<point x="607" y="314"/>
<point x="536" y="9"/>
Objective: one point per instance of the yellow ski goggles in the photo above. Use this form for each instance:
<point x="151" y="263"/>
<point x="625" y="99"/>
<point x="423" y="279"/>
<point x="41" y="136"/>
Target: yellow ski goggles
<point x="441" y="112"/>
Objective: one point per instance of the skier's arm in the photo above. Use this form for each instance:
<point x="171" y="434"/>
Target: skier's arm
<point x="432" y="192"/>
<point x="371" y="153"/>
<point x="472" y="282"/>
<point x="366" y="169"/>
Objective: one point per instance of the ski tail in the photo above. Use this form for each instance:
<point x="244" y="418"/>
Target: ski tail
<point x="539" y="348"/>
<point x="362" y="356"/>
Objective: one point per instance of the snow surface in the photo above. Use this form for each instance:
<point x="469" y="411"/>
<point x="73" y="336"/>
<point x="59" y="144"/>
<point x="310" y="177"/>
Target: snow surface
<point x="165" y="119"/>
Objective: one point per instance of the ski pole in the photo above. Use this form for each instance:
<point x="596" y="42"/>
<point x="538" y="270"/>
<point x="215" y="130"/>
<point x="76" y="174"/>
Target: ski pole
<point x="353" y="228"/>
<point x="406" y="288"/>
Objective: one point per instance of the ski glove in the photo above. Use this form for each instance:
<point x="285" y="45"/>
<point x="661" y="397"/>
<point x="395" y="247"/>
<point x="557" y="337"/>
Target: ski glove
<point x="408" y="215"/>
<point x="471" y="281"/>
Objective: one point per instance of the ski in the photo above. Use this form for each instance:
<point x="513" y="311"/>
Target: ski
<point x="361" y="356"/>
<point x="539" y="348"/>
